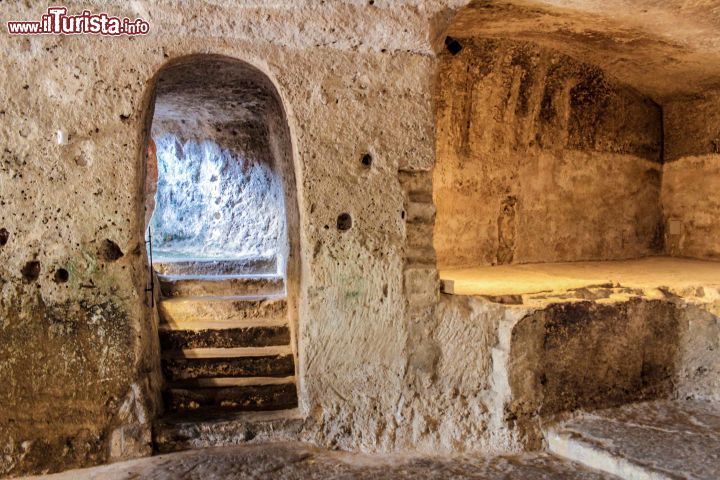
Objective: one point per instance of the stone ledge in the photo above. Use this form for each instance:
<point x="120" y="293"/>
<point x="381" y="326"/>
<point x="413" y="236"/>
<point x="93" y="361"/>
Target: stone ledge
<point x="654" y="440"/>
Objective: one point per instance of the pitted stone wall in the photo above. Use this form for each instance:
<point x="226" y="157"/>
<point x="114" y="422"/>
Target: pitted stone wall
<point x="355" y="79"/>
<point x="542" y="158"/>
<point x="690" y="193"/>
<point x="384" y="363"/>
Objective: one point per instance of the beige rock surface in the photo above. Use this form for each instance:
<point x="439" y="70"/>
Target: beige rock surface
<point x="681" y="275"/>
<point x="541" y="158"/>
<point x="344" y="71"/>
<point x="690" y="193"/>
<point x="385" y="362"/>
<point x="664" y="49"/>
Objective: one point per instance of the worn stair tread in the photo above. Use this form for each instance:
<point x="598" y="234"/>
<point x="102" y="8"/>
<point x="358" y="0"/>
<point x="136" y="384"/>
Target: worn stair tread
<point x="173" y="338"/>
<point x="199" y="325"/>
<point x="192" y="353"/>
<point x="235" y="310"/>
<point x="230" y="382"/>
<point x="183" y="266"/>
<point x="656" y="440"/>
<point x="249" y="397"/>
<point x="172" y="286"/>
<point x="209" y="417"/>
<point x="175" y="369"/>
<point x="210" y="277"/>
<point x="209" y="427"/>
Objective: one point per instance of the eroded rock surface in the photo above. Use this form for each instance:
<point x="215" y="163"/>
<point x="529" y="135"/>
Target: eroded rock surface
<point x="383" y="362"/>
<point x="541" y="157"/>
<point x="649" y="440"/>
<point x="299" y="461"/>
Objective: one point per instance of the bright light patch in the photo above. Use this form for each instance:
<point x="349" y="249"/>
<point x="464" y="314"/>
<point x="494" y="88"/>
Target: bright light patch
<point x="215" y="203"/>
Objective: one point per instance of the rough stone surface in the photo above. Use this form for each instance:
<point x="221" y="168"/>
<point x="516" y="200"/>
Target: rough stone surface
<point x="252" y="310"/>
<point x="188" y="430"/>
<point x="226" y="338"/>
<point x="698" y="373"/>
<point x="218" y="267"/>
<point x="215" y="202"/>
<point x="79" y="368"/>
<point x="220" y="189"/>
<point x="684" y="276"/>
<point x="662" y="48"/>
<point x="296" y="461"/>
<point x="541" y="158"/>
<point x="574" y="346"/>
<point x="263" y="366"/>
<point x="654" y="440"/>
<point x="345" y="73"/>
<point x="221" y="286"/>
<point x="384" y="363"/>
<point x="576" y="355"/>
<point x="689" y="191"/>
<point x="245" y="398"/>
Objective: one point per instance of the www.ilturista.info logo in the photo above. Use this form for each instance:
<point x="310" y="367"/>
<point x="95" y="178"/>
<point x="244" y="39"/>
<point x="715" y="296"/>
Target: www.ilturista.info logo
<point x="57" y="22"/>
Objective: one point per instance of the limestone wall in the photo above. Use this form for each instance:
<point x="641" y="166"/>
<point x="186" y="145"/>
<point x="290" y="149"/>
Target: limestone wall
<point x="383" y="362"/>
<point x="541" y="158"/>
<point x="78" y="357"/>
<point x="691" y="176"/>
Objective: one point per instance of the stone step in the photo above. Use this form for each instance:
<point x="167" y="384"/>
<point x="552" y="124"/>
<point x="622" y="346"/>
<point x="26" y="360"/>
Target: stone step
<point x="180" y="266"/>
<point x="230" y="382"/>
<point x="206" y="353"/>
<point x="242" y="398"/>
<point x="219" y="428"/>
<point x="193" y="313"/>
<point x="220" y="285"/>
<point x="191" y="335"/>
<point x="178" y="366"/>
<point x="652" y="440"/>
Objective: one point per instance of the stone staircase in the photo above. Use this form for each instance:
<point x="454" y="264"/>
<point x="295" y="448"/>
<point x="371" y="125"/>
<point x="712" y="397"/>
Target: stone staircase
<point x="226" y="350"/>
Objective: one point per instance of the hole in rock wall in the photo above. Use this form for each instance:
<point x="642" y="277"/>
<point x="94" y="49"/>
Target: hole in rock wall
<point x="366" y="160"/>
<point x="4" y="236"/>
<point x="61" y="275"/>
<point x="31" y="271"/>
<point x="110" y="251"/>
<point x="344" y="222"/>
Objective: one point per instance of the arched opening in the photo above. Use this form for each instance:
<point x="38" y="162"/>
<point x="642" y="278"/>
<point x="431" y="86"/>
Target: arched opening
<point x="222" y="220"/>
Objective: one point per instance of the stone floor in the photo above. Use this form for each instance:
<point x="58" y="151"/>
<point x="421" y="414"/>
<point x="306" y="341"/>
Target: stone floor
<point x="653" y="440"/>
<point x="646" y="273"/>
<point x="657" y="440"/>
<point x="286" y="461"/>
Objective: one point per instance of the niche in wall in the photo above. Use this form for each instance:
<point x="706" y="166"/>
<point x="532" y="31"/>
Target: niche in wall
<point x="542" y="158"/>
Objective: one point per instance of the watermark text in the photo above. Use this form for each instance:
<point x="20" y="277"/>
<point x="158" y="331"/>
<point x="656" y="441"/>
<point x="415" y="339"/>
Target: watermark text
<point x="56" y="21"/>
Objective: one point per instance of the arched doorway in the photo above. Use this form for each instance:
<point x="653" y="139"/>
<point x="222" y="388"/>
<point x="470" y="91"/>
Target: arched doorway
<point x="221" y="213"/>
